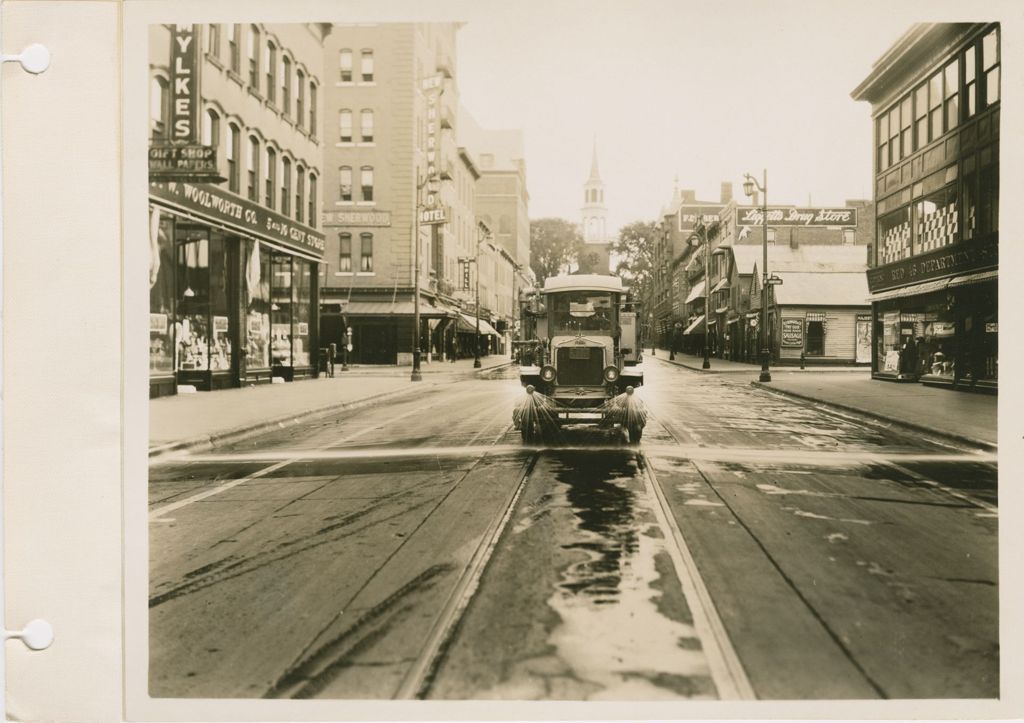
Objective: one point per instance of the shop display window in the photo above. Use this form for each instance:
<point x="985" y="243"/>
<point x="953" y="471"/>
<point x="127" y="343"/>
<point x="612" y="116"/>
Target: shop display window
<point x="193" y="325"/>
<point x="256" y="284"/>
<point x="161" y="294"/>
<point x="889" y="342"/>
<point x="935" y="338"/>
<point x="301" y="307"/>
<point x="936" y="220"/>
<point x="220" y="317"/>
<point x="281" y="310"/>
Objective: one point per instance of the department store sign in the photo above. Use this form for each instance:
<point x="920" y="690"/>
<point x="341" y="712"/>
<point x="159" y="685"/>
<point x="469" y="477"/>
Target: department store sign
<point x="789" y="216"/>
<point x="240" y="213"/>
<point x="956" y="259"/>
<point x="357" y="218"/>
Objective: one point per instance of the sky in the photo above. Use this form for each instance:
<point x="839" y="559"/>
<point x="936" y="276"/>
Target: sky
<point x="701" y="91"/>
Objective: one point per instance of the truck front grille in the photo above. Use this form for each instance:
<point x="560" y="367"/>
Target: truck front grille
<point x="580" y="365"/>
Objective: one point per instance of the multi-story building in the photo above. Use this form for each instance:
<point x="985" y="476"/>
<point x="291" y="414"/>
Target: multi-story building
<point x="502" y="204"/>
<point x="390" y="149"/>
<point x="233" y="283"/>
<point x="935" y="99"/>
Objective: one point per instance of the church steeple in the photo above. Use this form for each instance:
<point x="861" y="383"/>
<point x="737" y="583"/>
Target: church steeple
<point x="594" y="212"/>
<point x="595" y="175"/>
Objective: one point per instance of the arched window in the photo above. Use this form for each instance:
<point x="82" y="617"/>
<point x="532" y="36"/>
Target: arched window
<point x="254" y="57"/>
<point x="345" y="125"/>
<point x="312" y="200"/>
<point x="234" y="136"/>
<point x="286" y="84"/>
<point x="312" y="108"/>
<point x="270" y="68"/>
<point x="253" y="190"/>
<point x="345" y="183"/>
<point x="211" y="128"/>
<point x="286" y="185"/>
<point x="366" y="125"/>
<point x="366" y="182"/>
<point x="300" y="191"/>
<point x="345" y="65"/>
<point x="158" y="97"/>
<point x="271" y="182"/>
<point x="300" y="97"/>
<point x="213" y="40"/>
<point x="234" y="47"/>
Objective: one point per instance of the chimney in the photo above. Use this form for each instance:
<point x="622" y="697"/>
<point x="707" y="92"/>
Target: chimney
<point x="726" y="192"/>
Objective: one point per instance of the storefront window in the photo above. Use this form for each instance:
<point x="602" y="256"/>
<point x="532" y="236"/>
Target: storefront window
<point x="935" y="220"/>
<point x="894" y="236"/>
<point x="161" y="293"/>
<point x="935" y="333"/>
<point x="889" y="342"/>
<point x="220" y="339"/>
<point x="281" y="310"/>
<point x="193" y="325"/>
<point x="300" y="299"/>
<point x="256" y="283"/>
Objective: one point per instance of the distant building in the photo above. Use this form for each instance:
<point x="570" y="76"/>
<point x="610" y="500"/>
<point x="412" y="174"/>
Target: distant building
<point x="596" y="255"/>
<point x="935" y="104"/>
<point x="391" y="110"/>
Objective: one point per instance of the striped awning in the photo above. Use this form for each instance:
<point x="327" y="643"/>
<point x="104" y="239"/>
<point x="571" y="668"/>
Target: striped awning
<point x="467" y="324"/>
<point x="915" y="290"/>
<point x="722" y="284"/>
<point x="973" y="278"/>
<point x="696" y="322"/>
<point x="697" y="292"/>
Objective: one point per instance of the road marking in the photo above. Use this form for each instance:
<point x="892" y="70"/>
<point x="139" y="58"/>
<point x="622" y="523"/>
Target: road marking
<point x="156" y="514"/>
<point x="726" y="669"/>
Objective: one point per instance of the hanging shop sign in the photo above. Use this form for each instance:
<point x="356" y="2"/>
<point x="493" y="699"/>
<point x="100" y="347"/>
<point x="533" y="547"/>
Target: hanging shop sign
<point x="357" y="218"/>
<point x="951" y="260"/>
<point x="242" y="214"/>
<point x="791" y="216"/>
<point x="793" y="332"/>
<point x="190" y="162"/>
<point x="432" y="89"/>
<point x="435" y="215"/>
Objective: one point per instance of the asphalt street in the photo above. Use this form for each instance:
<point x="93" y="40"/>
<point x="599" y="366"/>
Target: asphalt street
<point x="751" y="546"/>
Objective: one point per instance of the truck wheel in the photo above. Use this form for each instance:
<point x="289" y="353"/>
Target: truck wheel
<point x="635" y="433"/>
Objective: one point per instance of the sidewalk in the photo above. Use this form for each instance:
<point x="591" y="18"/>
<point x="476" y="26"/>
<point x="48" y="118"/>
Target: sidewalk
<point x="725" y="366"/>
<point x="187" y="421"/>
<point x="965" y="417"/>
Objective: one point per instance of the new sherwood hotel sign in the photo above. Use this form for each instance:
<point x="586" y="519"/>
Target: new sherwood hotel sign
<point x="789" y="216"/>
<point x="249" y="218"/>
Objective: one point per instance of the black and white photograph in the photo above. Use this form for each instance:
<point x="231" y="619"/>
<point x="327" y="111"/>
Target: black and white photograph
<point x="572" y="352"/>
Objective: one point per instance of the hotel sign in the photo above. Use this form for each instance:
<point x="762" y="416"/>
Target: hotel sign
<point x="956" y="259"/>
<point x="248" y="217"/>
<point x="789" y="216"/>
<point x="357" y="218"/>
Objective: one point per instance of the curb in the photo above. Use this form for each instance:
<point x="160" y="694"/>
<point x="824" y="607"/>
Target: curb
<point x="753" y="369"/>
<point x="921" y="428"/>
<point x="236" y="434"/>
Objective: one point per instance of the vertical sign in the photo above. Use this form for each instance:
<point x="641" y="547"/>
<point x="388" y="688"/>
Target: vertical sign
<point x="432" y="88"/>
<point x="185" y="84"/>
<point x="465" y="276"/>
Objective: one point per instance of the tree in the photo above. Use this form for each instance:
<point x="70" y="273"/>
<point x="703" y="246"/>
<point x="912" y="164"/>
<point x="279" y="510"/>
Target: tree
<point x="635" y="251"/>
<point x="554" y="244"/>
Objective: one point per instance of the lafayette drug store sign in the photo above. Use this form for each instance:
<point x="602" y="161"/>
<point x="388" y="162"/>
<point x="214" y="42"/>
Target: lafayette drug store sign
<point x="240" y="213"/>
<point x="789" y="216"/>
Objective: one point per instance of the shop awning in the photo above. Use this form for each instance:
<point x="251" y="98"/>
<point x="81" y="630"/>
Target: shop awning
<point x="721" y="309"/>
<point x="692" y="327"/>
<point x="722" y="284"/>
<point x="915" y="290"/>
<point x="467" y="324"/>
<point x="388" y="308"/>
<point x="697" y="292"/>
<point x="973" y="278"/>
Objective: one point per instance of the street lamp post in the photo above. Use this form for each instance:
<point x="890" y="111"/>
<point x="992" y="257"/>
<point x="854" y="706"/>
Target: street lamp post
<point x="432" y="184"/>
<point x="748" y="188"/>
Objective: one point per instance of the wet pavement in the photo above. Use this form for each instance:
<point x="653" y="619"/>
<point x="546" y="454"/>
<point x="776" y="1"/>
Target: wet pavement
<point x="748" y="546"/>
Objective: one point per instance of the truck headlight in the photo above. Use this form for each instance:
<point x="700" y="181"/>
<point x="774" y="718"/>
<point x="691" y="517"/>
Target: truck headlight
<point x="547" y="373"/>
<point x="611" y="373"/>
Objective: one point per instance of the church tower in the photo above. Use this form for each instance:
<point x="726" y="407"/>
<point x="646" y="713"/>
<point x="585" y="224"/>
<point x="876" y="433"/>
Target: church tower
<point x="594" y="259"/>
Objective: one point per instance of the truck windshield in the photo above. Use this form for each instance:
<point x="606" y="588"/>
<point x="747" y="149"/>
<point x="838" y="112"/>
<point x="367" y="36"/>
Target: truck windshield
<point x="582" y="311"/>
